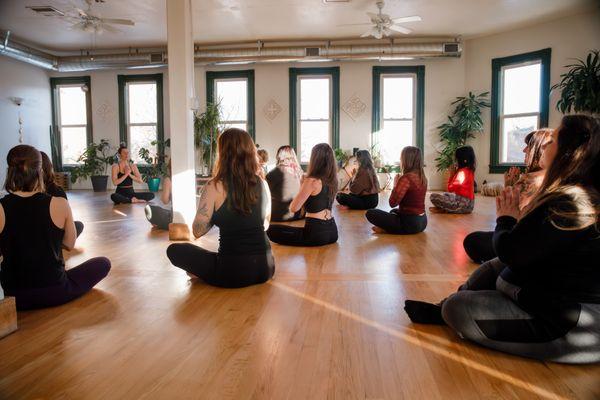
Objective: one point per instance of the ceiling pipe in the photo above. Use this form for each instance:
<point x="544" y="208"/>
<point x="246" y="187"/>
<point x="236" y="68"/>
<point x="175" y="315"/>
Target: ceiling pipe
<point x="27" y="54"/>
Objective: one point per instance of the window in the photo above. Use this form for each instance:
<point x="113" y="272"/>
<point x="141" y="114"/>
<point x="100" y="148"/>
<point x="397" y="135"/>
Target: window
<point x="314" y="108"/>
<point x="520" y="96"/>
<point x="72" y="117"/>
<point x="234" y="90"/>
<point x="141" y="113"/>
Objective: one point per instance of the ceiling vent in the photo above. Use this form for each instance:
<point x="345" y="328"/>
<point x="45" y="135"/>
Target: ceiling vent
<point x="47" y="11"/>
<point x="312" y="52"/>
<point x="156" y="58"/>
<point x="451" y="48"/>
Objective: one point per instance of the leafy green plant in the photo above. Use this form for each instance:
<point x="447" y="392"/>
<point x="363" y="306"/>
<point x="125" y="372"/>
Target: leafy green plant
<point x="157" y="166"/>
<point x="462" y="124"/>
<point x="580" y="86"/>
<point x="206" y="131"/>
<point x="341" y="156"/>
<point x="95" y="160"/>
<point x="389" y="169"/>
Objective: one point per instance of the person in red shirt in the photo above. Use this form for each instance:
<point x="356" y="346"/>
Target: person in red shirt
<point x="460" y="197"/>
<point x="407" y="199"/>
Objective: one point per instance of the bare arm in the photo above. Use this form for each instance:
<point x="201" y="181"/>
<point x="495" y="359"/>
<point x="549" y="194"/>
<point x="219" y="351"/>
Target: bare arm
<point x="206" y="207"/>
<point x="135" y="174"/>
<point x="267" y="193"/>
<point x="166" y="193"/>
<point x="62" y="217"/>
<point x="308" y="187"/>
<point x="115" y="173"/>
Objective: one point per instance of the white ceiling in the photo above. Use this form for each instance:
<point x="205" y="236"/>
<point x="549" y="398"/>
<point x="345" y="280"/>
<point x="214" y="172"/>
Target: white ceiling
<point x="241" y="20"/>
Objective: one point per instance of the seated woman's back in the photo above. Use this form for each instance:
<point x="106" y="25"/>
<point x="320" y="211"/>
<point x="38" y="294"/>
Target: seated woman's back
<point x="284" y="186"/>
<point x="409" y="194"/>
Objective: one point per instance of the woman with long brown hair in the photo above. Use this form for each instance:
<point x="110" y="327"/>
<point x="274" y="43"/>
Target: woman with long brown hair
<point x="407" y="199"/>
<point x="34" y="228"/>
<point x="541" y="297"/>
<point x="478" y="245"/>
<point x="284" y="183"/>
<point x="316" y="195"/>
<point x="364" y="185"/>
<point x="236" y="200"/>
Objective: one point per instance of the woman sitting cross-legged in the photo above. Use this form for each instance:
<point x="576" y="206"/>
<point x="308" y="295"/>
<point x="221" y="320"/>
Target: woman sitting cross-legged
<point x="34" y="228"/>
<point x="124" y="173"/>
<point x="541" y="297"/>
<point x="408" y="196"/>
<point x="316" y="195"/>
<point x="478" y="245"/>
<point x="284" y="183"/>
<point x="158" y="216"/>
<point x="52" y="187"/>
<point x="364" y="186"/>
<point x="236" y="200"/>
<point x="460" y="197"/>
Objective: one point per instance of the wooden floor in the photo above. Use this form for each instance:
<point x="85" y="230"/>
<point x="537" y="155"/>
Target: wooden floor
<point x="329" y="326"/>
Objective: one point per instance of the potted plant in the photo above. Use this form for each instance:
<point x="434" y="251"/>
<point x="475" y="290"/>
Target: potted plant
<point x="156" y="167"/>
<point x="95" y="161"/>
<point x="341" y="157"/>
<point x="462" y="124"/>
<point x="580" y="86"/>
<point x="207" y="127"/>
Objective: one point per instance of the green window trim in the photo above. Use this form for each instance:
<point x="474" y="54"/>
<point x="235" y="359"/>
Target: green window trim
<point x="334" y="72"/>
<point x="419" y="71"/>
<point x="160" y="127"/>
<point x="544" y="56"/>
<point x="70" y="80"/>
<point x="247" y="74"/>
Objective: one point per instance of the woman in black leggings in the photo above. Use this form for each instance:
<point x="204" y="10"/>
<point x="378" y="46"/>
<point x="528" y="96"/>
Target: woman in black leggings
<point x="34" y="228"/>
<point x="316" y="195"/>
<point x="236" y="200"/>
<point x="364" y="186"/>
<point x="541" y="297"/>
<point x="123" y="175"/>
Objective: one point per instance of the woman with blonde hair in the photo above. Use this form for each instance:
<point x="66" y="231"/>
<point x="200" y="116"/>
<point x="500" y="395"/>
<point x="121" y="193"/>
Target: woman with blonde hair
<point x="284" y="182"/>
<point x="407" y="199"/>
<point x="237" y="201"/>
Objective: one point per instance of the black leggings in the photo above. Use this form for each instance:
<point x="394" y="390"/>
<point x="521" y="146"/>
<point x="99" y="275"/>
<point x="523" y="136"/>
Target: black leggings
<point x="158" y="216"/>
<point x="124" y="195"/>
<point x="357" y="202"/>
<point x="479" y="247"/>
<point x="316" y="232"/>
<point x="78" y="282"/>
<point x="401" y="224"/>
<point x="222" y="270"/>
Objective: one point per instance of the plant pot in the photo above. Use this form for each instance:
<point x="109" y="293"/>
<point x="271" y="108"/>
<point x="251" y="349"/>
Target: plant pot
<point x="99" y="183"/>
<point x="153" y="184"/>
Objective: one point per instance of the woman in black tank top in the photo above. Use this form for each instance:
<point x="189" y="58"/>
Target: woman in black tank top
<point x="31" y="242"/>
<point x="236" y="200"/>
<point x="316" y="195"/>
<point x="123" y="175"/>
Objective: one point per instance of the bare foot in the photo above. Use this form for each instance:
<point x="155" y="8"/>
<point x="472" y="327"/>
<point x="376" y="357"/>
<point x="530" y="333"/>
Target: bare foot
<point x="436" y="210"/>
<point x="341" y="207"/>
<point x="136" y="200"/>
<point x="377" y="229"/>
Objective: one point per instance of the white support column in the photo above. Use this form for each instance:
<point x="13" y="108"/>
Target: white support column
<point x="181" y="88"/>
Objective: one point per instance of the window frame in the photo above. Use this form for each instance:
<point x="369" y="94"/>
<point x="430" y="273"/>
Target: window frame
<point x="123" y="80"/>
<point x="418" y="72"/>
<point x="499" y="65"/>
<point x="213" y="76"/>
<point x="55" y="84"/>
<point x="334" y="104"/>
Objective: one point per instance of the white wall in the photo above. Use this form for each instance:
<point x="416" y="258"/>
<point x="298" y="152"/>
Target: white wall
<point x="570" y="37"/>
<point x="32" y="84"/>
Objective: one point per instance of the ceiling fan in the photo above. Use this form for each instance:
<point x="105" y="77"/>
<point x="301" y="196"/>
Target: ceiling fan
<point x="384" y="25"/>
<point x="87" y="21"/>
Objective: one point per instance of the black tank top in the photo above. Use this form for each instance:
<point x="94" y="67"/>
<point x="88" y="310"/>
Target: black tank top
<point x="319" y="202"/>
<point x="30" y="243"/>
<point x="241" y="233"/>
<point x="127" y="182"/>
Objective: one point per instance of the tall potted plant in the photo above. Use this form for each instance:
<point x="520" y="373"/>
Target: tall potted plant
<point x="94" y="163"/>
<point x="580" y="86"/>
<point x="157" y="166"/>
<point x="462" y="124"/>
<point x="206" y="131"/>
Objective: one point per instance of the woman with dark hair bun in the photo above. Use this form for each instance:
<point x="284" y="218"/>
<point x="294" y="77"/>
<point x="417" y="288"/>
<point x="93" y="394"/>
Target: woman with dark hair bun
<point x="460" y="197"/>
<point x="34" y="228"/>
<point x="541" y="297"/>
<point x="52" y="187"/>
<point x="364" y="186"/>
<point x="124" y="173"/>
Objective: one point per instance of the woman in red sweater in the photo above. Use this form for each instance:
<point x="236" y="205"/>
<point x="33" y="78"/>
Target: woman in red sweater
<point x="407" y="199"/>
<point x="460" y="197"/>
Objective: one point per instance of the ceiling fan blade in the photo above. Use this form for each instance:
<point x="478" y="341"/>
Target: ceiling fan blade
<point x="378" y="34"/>
<point x="118" y="21"/>
<point x="110" y="29"/>
<point x="363" y="24"/>
<point x="400" y="29"/>
<point x="401" y="20"/>
<point x="367" y="34"/>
